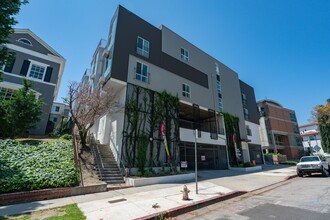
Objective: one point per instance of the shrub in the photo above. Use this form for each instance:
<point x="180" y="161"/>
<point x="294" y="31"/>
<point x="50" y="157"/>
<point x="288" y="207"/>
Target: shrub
<point x="248" y="164"/>
<point x="31" y="167"/>
<point x="148" y="173"/>
<point x="161" y="173"/>
<point x="289" y="162"/>
<point x="139" y="174"/>
<point x="66" y="137"/>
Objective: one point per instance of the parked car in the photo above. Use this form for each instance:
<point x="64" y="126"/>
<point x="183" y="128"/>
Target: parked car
<point x="313" y="164"/>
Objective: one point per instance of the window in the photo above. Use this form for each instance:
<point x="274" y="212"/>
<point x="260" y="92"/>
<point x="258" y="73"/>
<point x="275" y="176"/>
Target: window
<point x="66" y="112"/>
<point x="184" y="54"/>
<point x="246" y="114"/>
<point x="37" y="71"/>
<point x="25" y="41"/>
<point x="186" y="90"/>
<point x="142" y="73"/>
<point x="295" y="128"/>
<point x="311" y="137"/>
<point x="6" y="93"/>
<point x="57" y="108"/>
<point x="293" y="117"/>
<point x="142" y="47"/>
<point x="55" y="119"/>
<point x="244" y="100"/>
<point x="219" y="87"/>
<point x="248" y="130"/>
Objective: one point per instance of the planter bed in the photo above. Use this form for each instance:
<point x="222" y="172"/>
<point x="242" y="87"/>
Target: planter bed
<point x="43" y="194"/>
<point x="159" y="180"/>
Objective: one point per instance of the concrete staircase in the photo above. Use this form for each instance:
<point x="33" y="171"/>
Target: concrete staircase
<point x="107" y="168"/>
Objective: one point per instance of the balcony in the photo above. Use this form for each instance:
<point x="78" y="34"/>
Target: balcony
<point x="209" y="125"/>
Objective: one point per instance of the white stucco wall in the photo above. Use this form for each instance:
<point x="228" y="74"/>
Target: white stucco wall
<point x="255" y="137"/>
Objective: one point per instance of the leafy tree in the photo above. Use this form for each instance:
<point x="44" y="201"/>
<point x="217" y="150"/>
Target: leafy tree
<point x="8" y="8"/>
<point x="321" y="114"/>
<point x="86" y="106"/>
<point x="21" y="112"/>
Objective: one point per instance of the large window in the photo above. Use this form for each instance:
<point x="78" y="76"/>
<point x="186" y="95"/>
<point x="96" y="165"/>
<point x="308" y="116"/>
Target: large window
<point x="37" y="71"/>
<point x="142" y="73"/>
<point x="184" y="54"/>
<point x="56" y="108"/>
<point x="186" y="90"/>
<point x="142" y="47"/>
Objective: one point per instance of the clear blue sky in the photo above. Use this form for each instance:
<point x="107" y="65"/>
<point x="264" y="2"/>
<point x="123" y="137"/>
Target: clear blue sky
<point x="280" y="47"/>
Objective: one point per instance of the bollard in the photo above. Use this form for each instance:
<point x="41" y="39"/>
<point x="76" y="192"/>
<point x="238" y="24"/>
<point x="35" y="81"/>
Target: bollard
<point x="185" y="192"/>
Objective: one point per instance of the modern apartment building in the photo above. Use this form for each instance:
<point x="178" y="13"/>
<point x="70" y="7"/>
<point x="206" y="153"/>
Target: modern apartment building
<point x="251" y="118"/>
<point x="35" y="61"/>
<point x="168" y="88"/>
<point x="279" y="130"/>
<point x="311" y="138"/>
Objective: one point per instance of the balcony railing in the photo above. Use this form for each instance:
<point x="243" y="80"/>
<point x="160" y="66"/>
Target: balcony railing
<point x="200" y="126"/>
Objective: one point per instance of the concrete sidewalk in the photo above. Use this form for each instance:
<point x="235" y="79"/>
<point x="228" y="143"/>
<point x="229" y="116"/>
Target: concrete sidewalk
<point x="146" y="201"/>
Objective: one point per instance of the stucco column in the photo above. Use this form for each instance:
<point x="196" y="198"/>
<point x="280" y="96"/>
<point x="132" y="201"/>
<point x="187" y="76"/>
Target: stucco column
<point x="246" y="153"/>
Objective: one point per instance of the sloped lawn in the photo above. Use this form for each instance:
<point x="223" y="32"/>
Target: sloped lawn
<point x="36" y="165"/>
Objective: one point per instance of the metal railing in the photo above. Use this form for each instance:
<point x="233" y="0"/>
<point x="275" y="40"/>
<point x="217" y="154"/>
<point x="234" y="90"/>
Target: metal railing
<point x="122" y="167"/>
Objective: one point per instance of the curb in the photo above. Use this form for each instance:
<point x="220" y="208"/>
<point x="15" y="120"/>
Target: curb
<point x="202" y="203"/>
<point x="190" y="207"/>
<point x="112" y="188"/>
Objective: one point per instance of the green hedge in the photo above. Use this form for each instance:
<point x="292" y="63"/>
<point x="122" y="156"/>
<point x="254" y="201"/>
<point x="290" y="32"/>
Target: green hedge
<point x="31" y="167"/>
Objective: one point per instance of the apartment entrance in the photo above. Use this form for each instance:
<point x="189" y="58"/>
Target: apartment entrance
<point x="208" y="156"/>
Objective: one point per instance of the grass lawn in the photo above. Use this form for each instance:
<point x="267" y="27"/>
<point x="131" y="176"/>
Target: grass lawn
<point x="70" y="212"/>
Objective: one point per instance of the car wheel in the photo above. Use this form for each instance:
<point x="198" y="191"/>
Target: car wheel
<point x="324" y="172"/>
<point x="299" y="173"/>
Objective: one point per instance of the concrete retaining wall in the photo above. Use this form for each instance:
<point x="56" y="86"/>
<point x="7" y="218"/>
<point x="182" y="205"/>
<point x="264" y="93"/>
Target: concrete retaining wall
<point x="246" y="169"/>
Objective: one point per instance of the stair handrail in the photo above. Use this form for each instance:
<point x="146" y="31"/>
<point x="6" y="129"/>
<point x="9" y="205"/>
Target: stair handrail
<point x="97" y="158"/>
<point x="122" y="171"/>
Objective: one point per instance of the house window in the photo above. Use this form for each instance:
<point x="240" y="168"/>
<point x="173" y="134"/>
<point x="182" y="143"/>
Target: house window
<point x="6" y="93"/>
<point x="55" y="119"/>
<point x="244" y="100"/>
<point x="246" y="114"/>
<point x="142" y="73"/>
<point x="57" y="108"/>
<point x="186" y="90"/>
<point x="142" y="47"/>
<point x="248" y="130"/>
<point x="25" y="41"/>
<point x="184" y="54"/>
<point x="37" y="71"/>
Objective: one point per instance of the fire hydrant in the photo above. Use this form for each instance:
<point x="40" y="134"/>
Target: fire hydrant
<point x="185" y="192"/>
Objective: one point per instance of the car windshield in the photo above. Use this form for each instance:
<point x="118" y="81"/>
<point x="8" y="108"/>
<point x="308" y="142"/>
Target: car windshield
<point x="306" y="159"/>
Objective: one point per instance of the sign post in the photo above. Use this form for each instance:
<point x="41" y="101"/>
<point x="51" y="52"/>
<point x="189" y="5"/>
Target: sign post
<point x="195" y="134"/>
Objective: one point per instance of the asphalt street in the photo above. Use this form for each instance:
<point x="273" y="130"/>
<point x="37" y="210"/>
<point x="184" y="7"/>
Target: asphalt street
<point x="299" y="198"/>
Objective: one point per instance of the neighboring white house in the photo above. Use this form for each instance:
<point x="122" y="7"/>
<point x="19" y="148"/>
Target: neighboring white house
<point x="311" y="137"/>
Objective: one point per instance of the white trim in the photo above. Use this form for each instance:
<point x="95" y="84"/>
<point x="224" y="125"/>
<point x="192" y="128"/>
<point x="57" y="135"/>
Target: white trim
<point x="32" y="62"/>
<point x="185" y="102"/>
<point x="22" y="38"/>
<point x="32" y="79"/>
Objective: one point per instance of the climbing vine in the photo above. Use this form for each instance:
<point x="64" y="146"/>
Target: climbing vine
<point x="232" y="132"/>
<point x="144" y="111"/>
